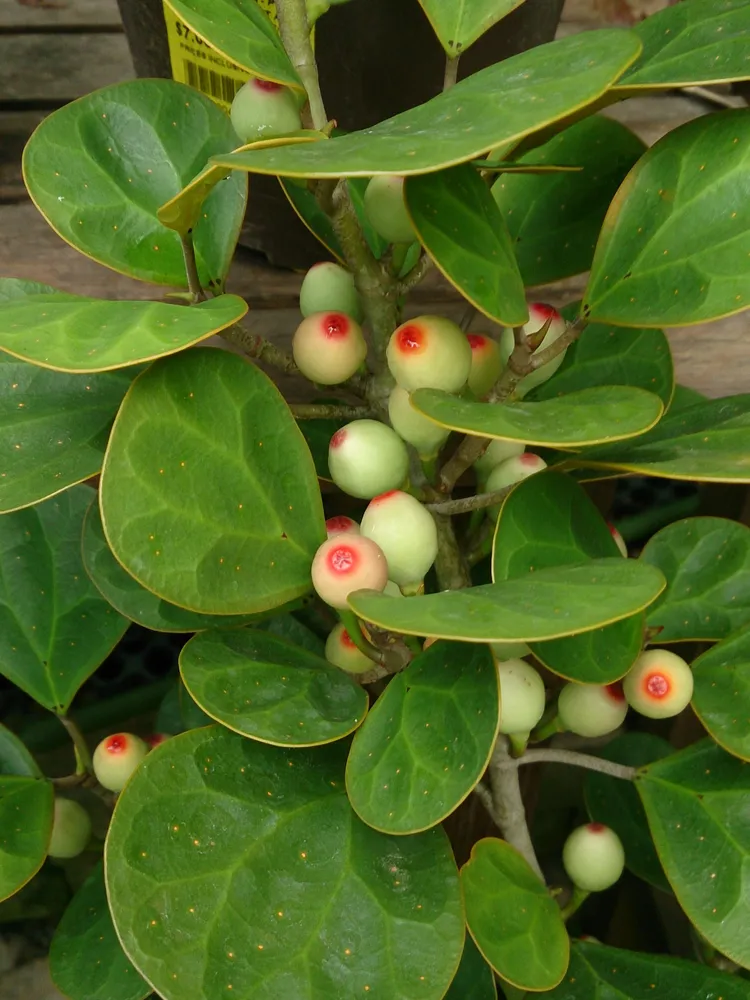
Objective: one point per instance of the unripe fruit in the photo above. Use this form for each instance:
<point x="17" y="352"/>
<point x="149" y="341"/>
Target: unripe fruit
<point x="262" y="110"/>
<point x="509" y="650"/>
<point x="328" y="347"/>
<point x="386" y="211"/>
<point x="659" y="684"/>
<point x="392" y="589"/>
<point x="486" y="363"/>
<point x="116" y="758"/>
<point x="426" y="436"/>
<point x="71" y="829"/>
<point x="512" y="471"/>
<point x="593" y="857"/>
<point x="405" y="531"/>
<point x="366" y="458"/>
<point x="347" y="563"/>
<point x="591" y="709"/>
<point x="619" y="540"/>
<point x="430" y="352"/>
<point x="497" y="452"/>
<point x="343" y="653"/>
<point x="521" y="697"/>
<point x="539" y="313"/>
<point x="329" y="287"/>
<point x="341" y="525"/>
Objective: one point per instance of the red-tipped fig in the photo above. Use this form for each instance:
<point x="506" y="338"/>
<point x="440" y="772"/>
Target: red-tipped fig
<point x="419" y="431"/>
<point x="405" y="531"/>
<point x="659" y="684"/>
<point x="430" y="352"/>
<point x="347" y="563"/>
<point x="539" y="314"/>
<point x="522" y="697"/>
<point x="512" y="471"/>
<point x="386" y="211"/>
<point x="342" y="652"/>
<point x="262" y="109"/>
<point x="328" y="347"/>
<point x="486" y="363"/>
<point x="593" y="857"/>
<point x="619" y="540"/>
<point x="592" y="709"/>
<point x="329" y="287"/>
<point x="116" y="758"/>
<point x="340" y="524"/>
<point x="366" y="458"/>
<point x="497" y="452"/>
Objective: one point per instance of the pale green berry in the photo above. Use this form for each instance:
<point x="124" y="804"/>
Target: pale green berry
<point x="346" y="563"/>
<point x="522" y="697"/>
<point x="342" y="652"/>
<point x="386" y="211"/>
<point x="591" y="709"/>
<point x="116" y="758"/>
<point x="497" y="452"/>
<point x="659" y="684"/>
<point x="71" y="829"/>
<point x="539" y="314"/>
<point x="593" y="857"/>
<point x="367" y="458"/>
<point x="329" y="287"/>
<point x="486" y="363"/>
<point x="429" y="352"/>
<point x="420" y="432"/>
<point x="262" y="110"/>
<point x="328" y="348"/>
<point x="618" y="539"/>
<point x="510" y="472"/>
<point x="341" y="525"/>
<point x="405" y="531"/>
<point x="509" y="650"/>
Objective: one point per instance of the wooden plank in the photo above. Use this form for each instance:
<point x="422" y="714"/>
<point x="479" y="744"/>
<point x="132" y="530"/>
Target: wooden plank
<point x="45" y="14"/>
<point x="15" y="129"/>
<point x="59" y="68"/>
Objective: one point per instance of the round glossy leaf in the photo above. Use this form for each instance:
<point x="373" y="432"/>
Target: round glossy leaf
<point x="307" y="207"/>
<point x="675" y="245"/>
<point x="427" y="740"/>
<point x="25" y="828"/>
<point x="286" y="626"/>
<point x="15" y="758"/>
<point x="208" y="495"/>
<point x="554" y="221"/>
<point x="270" y="689"/>
<point x="615" y="802"/>
<point x="548" y="520"/>
<point x="706" y="562"/>
<point x="474" y="980"/>
<point x="242" y="32"/>
<point x="700" y="42"/>
<point x="546" y="604"/>
<point x="516" y="923"/>
<point x="98" y="169"/>
<point x="696" y="803"/>
<point x="132" y="600"/>
<point x="230" y="862"/>
<point x="55" y="628"/>
<point x="86" y="960"/>
<point x="706" y="442"/>
<point x="586" y="417"/>
<point x="459" y="25"/>
<point x="503" y="102"/>
<point x="53" y="429"/>
<point x="721" y="696"/>
<point x="598" y="971"/>
<point x="75" y="334"/>
<point x="464" y="232"/>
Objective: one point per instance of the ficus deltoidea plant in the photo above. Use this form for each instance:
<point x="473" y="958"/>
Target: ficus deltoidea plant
<point x="466" y="610"/>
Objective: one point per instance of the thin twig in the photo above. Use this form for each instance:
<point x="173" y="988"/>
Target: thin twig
<point x="191" y="267"/>
<point x="258" y="347"/>
<point x="552" y="755"/>
<point x="509" y="811"/>
<point x="84" y="763"/>
<point x="451" y="568"/>
<point x="485" y="797"/>
<point x="417" y="273"/>
<point x="332" y="411"/>
<point x="295" y="34"/>
<point x="467" y="317"/>
<point x="464" y="504"/>
<point x="451" y="72"/>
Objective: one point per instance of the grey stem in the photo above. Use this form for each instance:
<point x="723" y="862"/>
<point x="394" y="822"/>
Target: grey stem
<point x="509" y="811"/>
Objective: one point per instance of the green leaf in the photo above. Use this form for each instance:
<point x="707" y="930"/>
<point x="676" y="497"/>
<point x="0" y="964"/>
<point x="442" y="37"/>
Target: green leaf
<point x="208" y="495"/>
<point x="586" y="417"/>
<point x="615" y="802"/>
<point x="76" y="334"/>
<point x="555" y="221"/>
<point x="25" y="828"/>
<point x="242" y="32"/>
<point x="698" y="42"/>
<point x="132" y="600"/>
<point x="706" y="563"/>
<point x="516" y="923"/>
<point x="230" y="862"/>
<point x="548" y="520"/>
<point x="684" y="397"/>
<point x="55" y="629"/>
<point x="307" y="207"/>
<point x="98" y="169"/>
<point x="546" y="604"/>
<point x="503" y="102"/>
<point x="427" y="740"/>
<point x="608" y="973"/>
<point x="15" y="758"/>
<point x="474" y="979"/>
<point x="464" y="233"/>
<point x="696" y="803"/>
<point x="721" y="696"/>
<point x="53" y="429"/>
<point x="459" y="25"/>
<point x="605" y="355"/>
<point x="86" y="960"/>
<point x="675" y="244"/>
<point x="288" y="627"/>
<point x="12" y="289"/>
<point x="270" y="689"/>
<point x="705" y="442"/>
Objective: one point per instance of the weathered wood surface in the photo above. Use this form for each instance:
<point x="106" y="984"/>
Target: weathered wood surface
<point x="45" y="14"/>
<point x="58" y="68"/>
